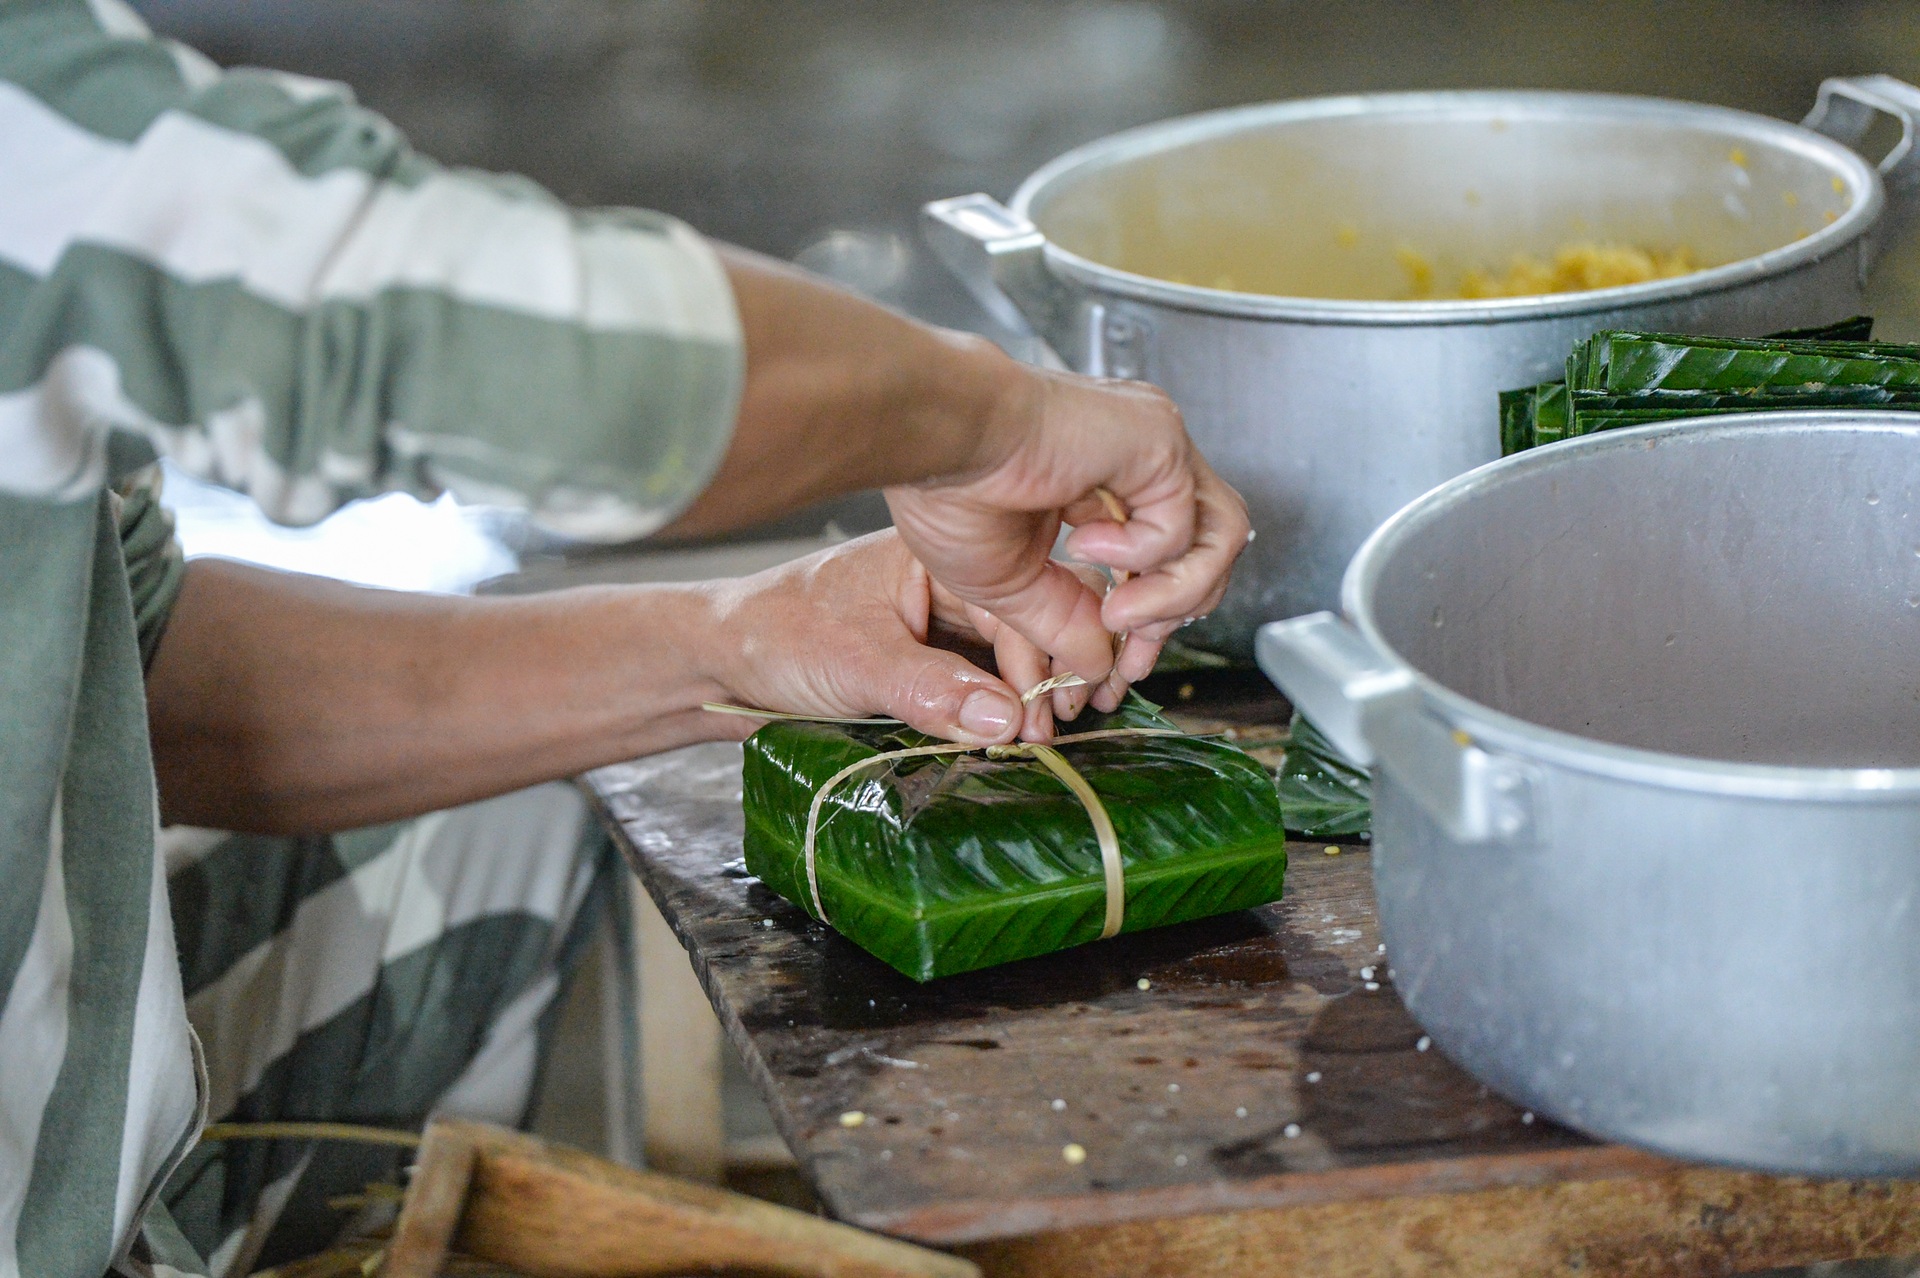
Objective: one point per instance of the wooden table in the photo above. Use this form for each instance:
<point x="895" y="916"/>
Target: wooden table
<point x="1250" y="1095"/>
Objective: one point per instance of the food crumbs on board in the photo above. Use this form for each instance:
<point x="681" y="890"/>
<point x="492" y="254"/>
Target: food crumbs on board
<point x="1073" y="1154"/>
<point x="1173" y="1087"/>
<point x="1313" y="1076"/>
<point x="766" y="922"/>
<point x="1240" y="1111"/>
<point x="1737" y="157"/>
<point x="1380" y="949"/>
<point x="1186" y="692"/>
<point x="1366" y="974"/>
<point x="1290" y="1131"/>
<point x="1179" y="1160"/>
<point x="1527" y="1118"/>
<point x="852" y="1118"/>
<point x="1423" y="1044"/>
<point x="1372" y="986"/>
<point x="1330" y="850"/>
<point x="1056" y="1104"/>
<point x="1143" y="984"/>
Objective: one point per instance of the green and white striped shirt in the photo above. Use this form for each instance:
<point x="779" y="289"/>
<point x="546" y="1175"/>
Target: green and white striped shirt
<point x="248" y="273"/>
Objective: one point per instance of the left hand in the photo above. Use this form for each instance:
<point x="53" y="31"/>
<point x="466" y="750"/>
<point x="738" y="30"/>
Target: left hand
<point x="846" y="632"/>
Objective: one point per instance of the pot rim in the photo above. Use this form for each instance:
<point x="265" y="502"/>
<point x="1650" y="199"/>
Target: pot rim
<point x="1530" y="740"/>
<point x="1862" y="179"/>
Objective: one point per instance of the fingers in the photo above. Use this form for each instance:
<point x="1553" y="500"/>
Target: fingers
<point x="987" y="537"/>
<point x="1135" y="662"/>
<point x="1060" y="614"/>
<point x="945" y="695"/>
<point x="1191" y="584"/>
<point x="1160" y="525"/>
<point x="1023" y="666"/>
<point x="842" y="633"/>
<point x="1149" y="466"/>
<point x="1069" y="702"/>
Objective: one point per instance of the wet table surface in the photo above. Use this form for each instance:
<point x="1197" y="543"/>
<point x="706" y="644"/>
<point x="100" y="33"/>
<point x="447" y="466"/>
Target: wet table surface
<point x="1250" y="1063"/>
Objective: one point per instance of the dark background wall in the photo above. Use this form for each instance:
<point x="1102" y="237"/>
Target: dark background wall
<point x="815" y="128"/>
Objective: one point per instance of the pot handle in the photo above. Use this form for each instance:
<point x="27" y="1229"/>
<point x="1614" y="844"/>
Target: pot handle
<point x="1369" y="706"/>
<point x="1845" y="110"/>
<point x="1001" y="258"/>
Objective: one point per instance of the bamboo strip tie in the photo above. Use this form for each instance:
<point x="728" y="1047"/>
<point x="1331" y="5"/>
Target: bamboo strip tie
<point x="352" y="1133"/>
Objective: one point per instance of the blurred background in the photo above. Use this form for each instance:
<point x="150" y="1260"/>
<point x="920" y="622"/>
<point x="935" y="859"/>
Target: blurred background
<point x="814" y="131"/>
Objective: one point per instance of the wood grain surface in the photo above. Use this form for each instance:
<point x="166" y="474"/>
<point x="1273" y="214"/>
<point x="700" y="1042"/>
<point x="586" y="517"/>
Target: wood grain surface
<point x="1252" y="1075"/>
<point x="503" y="1198"/>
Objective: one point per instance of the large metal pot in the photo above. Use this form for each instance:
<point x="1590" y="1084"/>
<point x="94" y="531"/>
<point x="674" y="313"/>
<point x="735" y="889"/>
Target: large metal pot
<point x="1643" y="715"/>
<point x="1325" y="401"/>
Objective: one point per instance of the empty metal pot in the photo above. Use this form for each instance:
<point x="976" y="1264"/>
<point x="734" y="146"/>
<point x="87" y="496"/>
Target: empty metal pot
<point x="1643" y="715"/>
<point x="1249" y="262"/>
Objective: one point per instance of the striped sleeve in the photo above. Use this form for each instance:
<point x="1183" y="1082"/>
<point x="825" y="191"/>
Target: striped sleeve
<point x="156" y="567"/>
<point x="262" y="278"/>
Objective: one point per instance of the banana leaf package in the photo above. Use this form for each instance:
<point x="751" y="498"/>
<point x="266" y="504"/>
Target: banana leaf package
<point x="945" y="860"/>
<point x="1323" y="795"/>
<point x="1618" y="378"/>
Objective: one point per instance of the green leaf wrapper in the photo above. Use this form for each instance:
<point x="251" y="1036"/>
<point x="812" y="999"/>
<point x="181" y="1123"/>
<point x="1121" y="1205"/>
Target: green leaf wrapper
<point x="1627" y="363"/>
<point x="1323" y="796"/>
<point x="945" y="864"/>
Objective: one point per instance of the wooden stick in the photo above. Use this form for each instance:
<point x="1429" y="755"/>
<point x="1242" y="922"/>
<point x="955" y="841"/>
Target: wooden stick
<point x="435" y="1198"/>
<point x="551" y="1212"/>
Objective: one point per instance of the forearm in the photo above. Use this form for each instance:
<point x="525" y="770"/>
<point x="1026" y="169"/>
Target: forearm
<point x="843" y="395"/>
<point x="281" y="703"/>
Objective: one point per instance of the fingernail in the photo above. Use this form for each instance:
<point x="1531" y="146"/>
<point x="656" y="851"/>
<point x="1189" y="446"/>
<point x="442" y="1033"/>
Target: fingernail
<point x="987" y="714"/>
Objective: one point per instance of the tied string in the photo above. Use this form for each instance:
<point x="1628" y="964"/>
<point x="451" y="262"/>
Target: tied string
<point x="1047" y="756"/>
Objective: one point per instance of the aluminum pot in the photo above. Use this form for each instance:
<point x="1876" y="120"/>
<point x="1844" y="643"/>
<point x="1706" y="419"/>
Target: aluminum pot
<point x="1247" y="261"/>
<point x="1643" y="715"/>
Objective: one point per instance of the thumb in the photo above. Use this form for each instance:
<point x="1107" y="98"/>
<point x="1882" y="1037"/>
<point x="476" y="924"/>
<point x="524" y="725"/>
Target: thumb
<point x="1060" y="614"/>
<point x="937" y="692"/>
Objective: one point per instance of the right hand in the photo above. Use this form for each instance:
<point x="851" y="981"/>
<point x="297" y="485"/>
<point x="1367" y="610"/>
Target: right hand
<point x="987" y="535"/>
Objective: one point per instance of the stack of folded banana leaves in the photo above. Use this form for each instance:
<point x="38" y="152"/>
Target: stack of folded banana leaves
<point x="1618" y="378"/>
<point x="1323" y="795"/>
<point x="939" y="860"/>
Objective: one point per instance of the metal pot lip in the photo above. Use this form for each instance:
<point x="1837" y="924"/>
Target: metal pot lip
<point x="1585" y="754"/>
<point x="1862" y="178"/>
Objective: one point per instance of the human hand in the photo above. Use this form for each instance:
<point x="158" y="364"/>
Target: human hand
<point x="844" y="633"/>
<point x="987" y="535"/>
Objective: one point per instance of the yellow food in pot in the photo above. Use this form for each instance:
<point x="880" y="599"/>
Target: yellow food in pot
<point x="1575" y="268"/>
